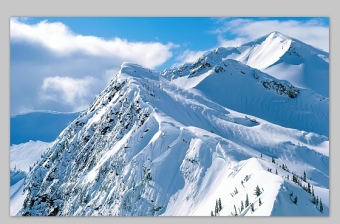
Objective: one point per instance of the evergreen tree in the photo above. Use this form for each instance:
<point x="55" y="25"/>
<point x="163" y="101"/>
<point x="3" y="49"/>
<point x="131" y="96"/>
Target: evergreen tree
<point x="304" y="176"/>
<point x="291" y="194"/>
<point x="317" y="200"/>
<point x="260" y="202"/>
<point x="242" y="206"/>
<point x="295" y="199"/>
<point x="216" y="207"/>
<point x="308" y="188"/>
<point x="212" y="213"/>
<point x="276" y="171"/>
<point x="294" y="178"/>
<point x="321" y="206"/>
<point x="219" y="204"/>
<point x="257" y="191"/>
<point x="313" y="200"/>
<point x="273" y="160"/>
<point x="261" y="155"/>
<point x="235" y="210"/>
<point x="252" y="207"/>
<point x="312" y="191"/>
<point x="247" y="201"/>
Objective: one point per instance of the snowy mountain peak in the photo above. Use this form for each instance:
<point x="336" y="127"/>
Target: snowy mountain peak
<point x="265" y="53"/>
<point x="277" y="34"/>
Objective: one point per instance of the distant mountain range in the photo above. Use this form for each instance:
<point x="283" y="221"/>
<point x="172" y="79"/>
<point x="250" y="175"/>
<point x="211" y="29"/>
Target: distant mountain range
<point x="38" y="125"/>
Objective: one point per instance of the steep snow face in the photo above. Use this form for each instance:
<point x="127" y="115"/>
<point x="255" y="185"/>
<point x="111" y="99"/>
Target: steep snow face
<point x="263" y="54"/>
<point x="17" y="197"/>
<point x="148" y="147"/>
<point x="309" y="70"/>
<point x="249" y="91"/>
<point x="289" y="59"/>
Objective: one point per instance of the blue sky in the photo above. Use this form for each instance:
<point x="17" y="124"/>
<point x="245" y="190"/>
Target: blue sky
<point x="62" y="63"/>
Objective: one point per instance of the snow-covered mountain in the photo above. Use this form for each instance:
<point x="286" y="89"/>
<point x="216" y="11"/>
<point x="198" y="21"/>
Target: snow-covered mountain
<point x="218" y="136"/>
<point x="228" y="76"/>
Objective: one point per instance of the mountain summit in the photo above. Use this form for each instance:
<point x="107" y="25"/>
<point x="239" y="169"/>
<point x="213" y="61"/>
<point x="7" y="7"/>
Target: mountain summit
<point x="287" y="58"/>
<point x="182" y="143"/>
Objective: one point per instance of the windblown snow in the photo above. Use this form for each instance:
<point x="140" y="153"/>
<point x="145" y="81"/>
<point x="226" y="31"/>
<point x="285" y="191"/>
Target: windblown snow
<point x="219" y="137"/>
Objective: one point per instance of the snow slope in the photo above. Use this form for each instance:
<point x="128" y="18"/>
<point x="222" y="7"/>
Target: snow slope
<point x="150" y="147"/>
<point x="247" y="90"/>
<point x="17" y="197"/>
<point x="22" y="156"/>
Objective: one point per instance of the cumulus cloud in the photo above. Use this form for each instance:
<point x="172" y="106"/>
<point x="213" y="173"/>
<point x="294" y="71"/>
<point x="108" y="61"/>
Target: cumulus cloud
<point x="67" y="90"/>
<point x="58" y="38"/>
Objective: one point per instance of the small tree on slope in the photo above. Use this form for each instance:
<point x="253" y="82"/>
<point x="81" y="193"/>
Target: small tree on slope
<point x="321" y="206"/>
<point x="295" y="200"/>
<point x="247" y="201"/>
<point x="257" y="191"/>
<point x="252" y="207"/>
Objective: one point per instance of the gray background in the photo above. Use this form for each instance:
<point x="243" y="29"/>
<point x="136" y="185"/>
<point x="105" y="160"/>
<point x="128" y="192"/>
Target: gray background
<point x="157" y="8"/>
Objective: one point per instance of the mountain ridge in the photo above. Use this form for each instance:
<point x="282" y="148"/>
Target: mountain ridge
<point x="273" y="54"/>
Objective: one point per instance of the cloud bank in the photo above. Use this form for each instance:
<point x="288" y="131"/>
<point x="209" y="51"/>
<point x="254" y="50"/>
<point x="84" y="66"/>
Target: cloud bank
<point x="56" y="69"/>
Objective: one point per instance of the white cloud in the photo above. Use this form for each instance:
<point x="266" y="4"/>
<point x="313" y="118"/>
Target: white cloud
<point x="110" y="74"/>
<point x="232" y="42"/>
<point x="67" y="90"/>
<point x="58" y="38"/>
<point x="189" y="56"/>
